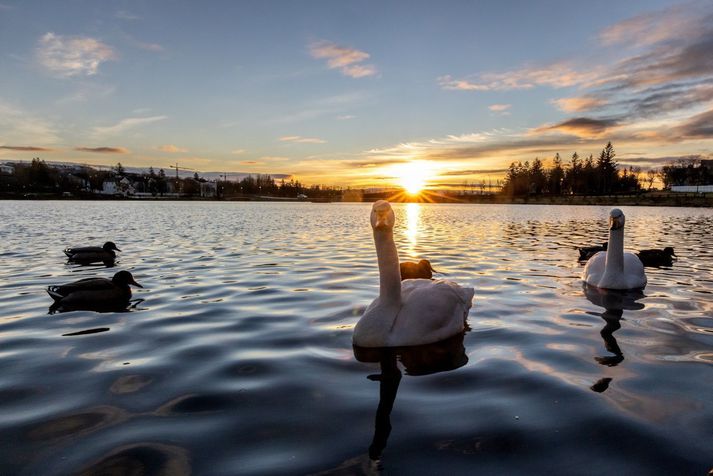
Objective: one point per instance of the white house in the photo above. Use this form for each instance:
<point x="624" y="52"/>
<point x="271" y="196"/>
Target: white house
<point x="7" y="169"/>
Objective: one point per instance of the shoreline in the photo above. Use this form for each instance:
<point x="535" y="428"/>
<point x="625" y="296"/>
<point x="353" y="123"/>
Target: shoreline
<point x="655" y="199"/>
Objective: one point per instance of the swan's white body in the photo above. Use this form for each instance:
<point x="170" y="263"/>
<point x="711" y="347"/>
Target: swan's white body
<point x="614" y="269"/>
<point x="413" y="311"/>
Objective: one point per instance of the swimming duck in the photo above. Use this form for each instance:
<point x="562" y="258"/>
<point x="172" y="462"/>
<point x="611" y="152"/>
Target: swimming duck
<point x="588" y="251"/>
<point x="614" y="269"/>
<point x="420" y="270"/>
<point x="656" y="258"/>
<point x="92" y="254"/>
<point x="409" y="312"/>
<point x="94" y="294"/>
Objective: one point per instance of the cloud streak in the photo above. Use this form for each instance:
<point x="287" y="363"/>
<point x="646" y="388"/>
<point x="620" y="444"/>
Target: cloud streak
<point x="126" y="124"/>
<point x="349" y="61"/>
<point x="103" y="150"/>
<point x="67" y="56"/>
<point x="25" y="148"/>
<point x="302" y="140"/>
<point x="171" y="149"/>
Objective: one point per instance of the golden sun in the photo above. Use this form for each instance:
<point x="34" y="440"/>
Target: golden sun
<point x="413" y="176"/>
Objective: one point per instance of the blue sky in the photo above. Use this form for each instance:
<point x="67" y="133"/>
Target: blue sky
<point x="348" y="92"/>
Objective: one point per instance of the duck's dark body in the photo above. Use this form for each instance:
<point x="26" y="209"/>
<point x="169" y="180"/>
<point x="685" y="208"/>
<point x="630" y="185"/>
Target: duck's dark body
<point x="588" y="251"/>
<point x="94" y="294"/>
<point x="657" y="258"/>
<point x="420" y="270"/>
<point x="92" y="254"/>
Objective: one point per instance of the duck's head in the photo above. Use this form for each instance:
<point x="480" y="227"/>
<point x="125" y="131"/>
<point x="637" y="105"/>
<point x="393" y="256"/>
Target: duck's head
<point x="669" y="251"/>
<point x="109" y="246"/>
<point x="616" y="219"/>
<point x="124" y="278"/>
<point x="382" y="216"/>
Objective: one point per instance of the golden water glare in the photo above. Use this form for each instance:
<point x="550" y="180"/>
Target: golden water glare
<point x="413" y="219"/>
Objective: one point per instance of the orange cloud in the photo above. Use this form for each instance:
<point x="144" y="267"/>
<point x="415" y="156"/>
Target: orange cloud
<point x="348" y="60"/>
<point x="578" y="104"/>
<point x="170" y="148"/>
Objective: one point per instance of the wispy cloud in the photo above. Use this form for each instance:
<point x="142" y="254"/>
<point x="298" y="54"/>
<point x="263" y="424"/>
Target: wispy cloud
<point x="25" y="148"/>
<point x="22" y="126"/>
<point x="103" y="150"/>
<point x="172" y="149"/>
<point x="349" y="61"/>
<point x="499" y="107"/>
<point x="126" y="124"/>
<point x="555" y="75"/>
<point x="581" y="127"/>
<point x="125" y="15"/>
<point x="237" y="151"/>
<point x="697" y="127"/>
<point x="655" y="27"/>
<point x="68" y="56"/>
<point x="579" y="104"/>
<point x="302" y="140"/>
<point x="346" y="117"/>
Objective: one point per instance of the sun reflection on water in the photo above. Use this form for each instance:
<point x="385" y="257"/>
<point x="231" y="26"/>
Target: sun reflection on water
<point x="413" y="220"/>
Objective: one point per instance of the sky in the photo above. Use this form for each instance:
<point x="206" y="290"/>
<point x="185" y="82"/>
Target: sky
<point x="355" y="92"/>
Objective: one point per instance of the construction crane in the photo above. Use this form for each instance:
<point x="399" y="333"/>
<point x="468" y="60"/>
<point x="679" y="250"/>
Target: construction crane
<point x="177" y="168"/>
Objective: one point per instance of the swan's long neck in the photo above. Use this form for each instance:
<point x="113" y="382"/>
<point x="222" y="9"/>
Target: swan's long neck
<point x="615" y="252"/>
<point x="389" y="273"/>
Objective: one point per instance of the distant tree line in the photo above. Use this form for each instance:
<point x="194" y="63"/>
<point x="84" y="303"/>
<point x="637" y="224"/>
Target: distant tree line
<point x="39" y="177"/>
<point x="590" y="176"/>
<point x="687" y="171"/>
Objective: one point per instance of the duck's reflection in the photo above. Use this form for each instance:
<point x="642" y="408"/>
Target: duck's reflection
<point x="426" y="359"/>
<point x="614" y="303"/>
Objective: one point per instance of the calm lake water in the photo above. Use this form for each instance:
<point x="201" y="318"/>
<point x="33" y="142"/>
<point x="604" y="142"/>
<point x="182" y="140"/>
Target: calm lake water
<point x="239" y="359"/>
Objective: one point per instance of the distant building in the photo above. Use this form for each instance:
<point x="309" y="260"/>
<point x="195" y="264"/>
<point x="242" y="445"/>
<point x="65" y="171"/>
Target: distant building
<point x="122" y="186"/>
<point x="209" y="189"/>
<point x="7" y="169"/>
<point x="692" y="188"/>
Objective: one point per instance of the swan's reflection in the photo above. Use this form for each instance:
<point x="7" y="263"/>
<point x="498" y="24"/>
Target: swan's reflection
<point x="426" y="359"/>
<point x="615" y="303"/>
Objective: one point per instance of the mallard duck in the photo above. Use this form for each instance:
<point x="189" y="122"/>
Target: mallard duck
<point x="94" y="294"/>
<point x="410" y="312"/>
<point x="656" y="258"/>
<point x="614" y="269"/>
<point x="587" y="252"/>
<point x="92" y="254"/>
<point x="420" y="270"/>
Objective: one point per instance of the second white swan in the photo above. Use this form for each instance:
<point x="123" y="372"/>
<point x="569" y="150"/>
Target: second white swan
<point x="614" y="269"/>
<point x="409" y="312"/>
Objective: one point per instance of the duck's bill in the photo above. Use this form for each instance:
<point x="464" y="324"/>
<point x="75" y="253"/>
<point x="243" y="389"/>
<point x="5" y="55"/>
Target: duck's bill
<point x="133" y="281"/>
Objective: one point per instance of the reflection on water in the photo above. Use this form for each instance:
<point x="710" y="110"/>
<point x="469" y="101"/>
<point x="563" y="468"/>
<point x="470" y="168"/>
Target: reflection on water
<point x="240" y="359"/>
<point x="614" y="302"/>
<point x="427" y="359"/>
<point x="413" y="215"/>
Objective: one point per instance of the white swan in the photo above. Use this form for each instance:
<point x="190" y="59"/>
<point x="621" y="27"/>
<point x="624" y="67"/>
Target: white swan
<point x="409" y="312"/>
<point x="614" y="269"/>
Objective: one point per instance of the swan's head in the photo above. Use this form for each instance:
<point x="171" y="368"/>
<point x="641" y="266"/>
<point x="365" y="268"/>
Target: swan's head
<point x="382" y="216"/>
<point x="616" y="219"/>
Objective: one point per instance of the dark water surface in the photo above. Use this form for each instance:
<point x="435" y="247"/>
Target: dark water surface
<point x="239" y="359"/>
